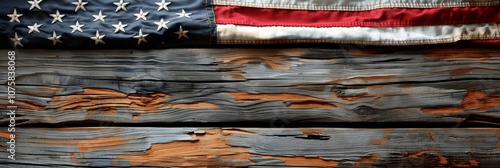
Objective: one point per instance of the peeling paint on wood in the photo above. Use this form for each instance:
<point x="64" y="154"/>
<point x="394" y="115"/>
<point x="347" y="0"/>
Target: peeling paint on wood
<point x="171" y="147"/>
<point x="473" y="100"/>
<point x="257" y="85"/>
<point x="177" y="86"/>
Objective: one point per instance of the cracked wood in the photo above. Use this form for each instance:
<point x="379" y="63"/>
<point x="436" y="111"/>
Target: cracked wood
<point x="257" y="85"/>
<point x="172" y="147"/>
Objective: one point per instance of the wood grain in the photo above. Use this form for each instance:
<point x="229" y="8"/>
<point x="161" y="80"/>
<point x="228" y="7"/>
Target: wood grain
<point x="257" y="85"/>
<point x="168" y="147"/>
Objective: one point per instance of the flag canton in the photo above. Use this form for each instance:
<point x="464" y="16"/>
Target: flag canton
<point x="106" y="23"/>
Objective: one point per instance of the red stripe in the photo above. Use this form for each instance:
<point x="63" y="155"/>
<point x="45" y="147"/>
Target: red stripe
<point x="487" y="42"/>
<point x="374" y="18"/>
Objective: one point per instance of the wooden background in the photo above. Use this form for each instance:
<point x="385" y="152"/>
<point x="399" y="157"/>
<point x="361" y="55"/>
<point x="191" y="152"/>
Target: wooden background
<point x="345" y="107"/>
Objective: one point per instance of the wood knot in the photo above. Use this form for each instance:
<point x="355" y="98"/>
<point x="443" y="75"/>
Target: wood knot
<point x="365" y="110"/>
<point x="145" y="100"/>
<point x="338" y="90"/>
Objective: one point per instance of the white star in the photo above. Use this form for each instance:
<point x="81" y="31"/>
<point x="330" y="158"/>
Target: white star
<point x="120" y="5"/>
<point x="141" y="15"/>
<point x="14" y="17"/>
<point x="57" y="17"/>
<point x="34" y="28"/>
<point x="98" y="38"/>
<point x="184" y="14"/>
<point x="163" y="5"/>
<point x="141" y="37"/>
<point x="17" y="40"/>
<point x="99" y="17"/>
<point x="55" y="38"/>
<point x="80" y="5"/>
<point x="162" y="24"/>
<point x="76" y="27"/>
<point x="182" y="33"/>
<point x="119" y="27"/>
<point x="35" y="4"/>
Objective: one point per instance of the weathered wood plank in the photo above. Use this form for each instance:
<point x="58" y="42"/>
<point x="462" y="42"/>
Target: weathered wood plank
<point x="132" y="146"/>
<point x="257" y="85"/>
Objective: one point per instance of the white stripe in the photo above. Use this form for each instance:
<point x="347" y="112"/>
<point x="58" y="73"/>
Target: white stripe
<point x="354" y="5"/>
<point x="415" y="35"/>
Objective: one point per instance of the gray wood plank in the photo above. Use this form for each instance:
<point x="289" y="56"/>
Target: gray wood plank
<point x="326" y="147"/>
<point x="256" y="85"/>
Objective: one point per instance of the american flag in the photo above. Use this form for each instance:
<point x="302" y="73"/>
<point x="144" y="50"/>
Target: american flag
<point x="174" y="23"/>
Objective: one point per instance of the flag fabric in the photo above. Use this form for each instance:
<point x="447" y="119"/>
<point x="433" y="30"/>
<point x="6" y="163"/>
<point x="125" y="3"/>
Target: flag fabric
<point x="177" y="23"/>
<point x="106" y="23"/>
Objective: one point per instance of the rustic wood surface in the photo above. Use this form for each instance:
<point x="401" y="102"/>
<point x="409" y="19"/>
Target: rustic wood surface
<point x="257" y="85"/>
<point x="113" y="108"/>
<point x="159" y="147"/>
